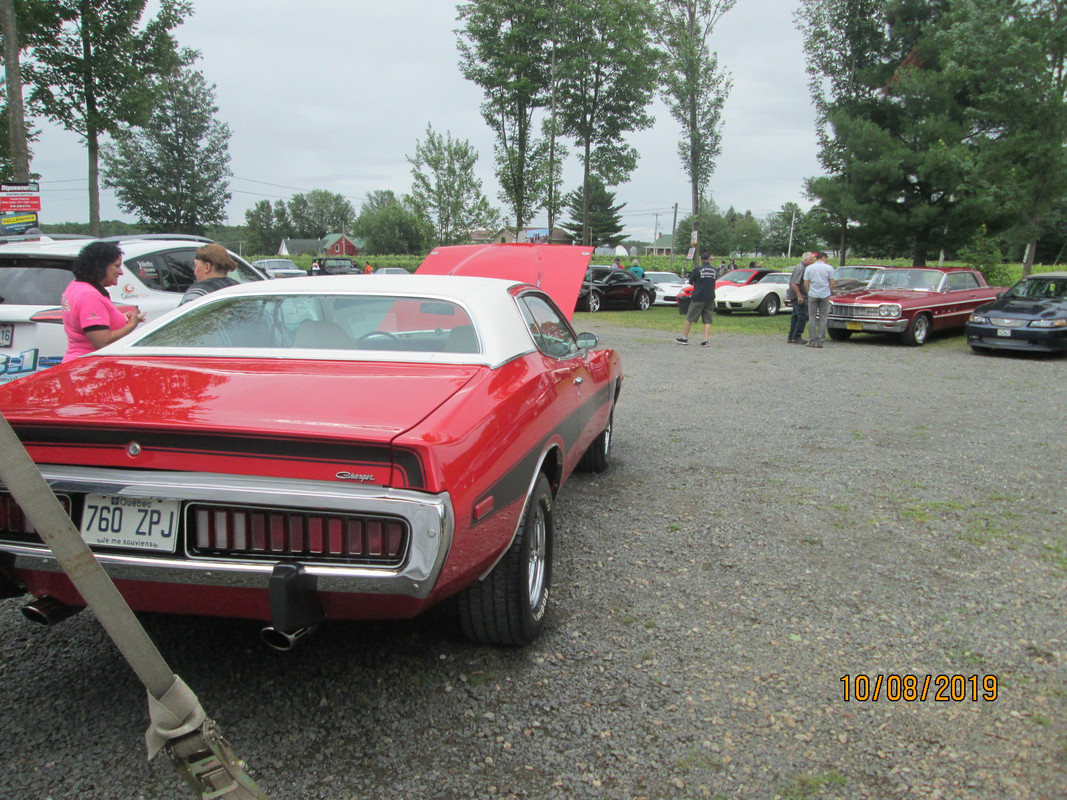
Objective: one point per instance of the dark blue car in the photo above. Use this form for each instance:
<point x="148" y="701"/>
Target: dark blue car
<point x="1031" y="315"/>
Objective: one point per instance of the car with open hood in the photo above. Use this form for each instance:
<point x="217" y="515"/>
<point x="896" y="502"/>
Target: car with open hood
<point x="910" y="302"/>
<point x="1031" y="316"/>
<point x="611" y="287"/>
<point x="326" y="448"/>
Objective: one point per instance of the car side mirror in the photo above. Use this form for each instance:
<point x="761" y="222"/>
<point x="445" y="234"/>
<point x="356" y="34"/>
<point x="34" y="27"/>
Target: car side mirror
<point x="587" y="341"/>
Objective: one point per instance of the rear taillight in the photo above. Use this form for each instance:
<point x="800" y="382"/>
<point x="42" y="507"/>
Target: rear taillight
<point x="48" y="315"/>
<point x="14" y="523"/>
<point x="255" y="532"/>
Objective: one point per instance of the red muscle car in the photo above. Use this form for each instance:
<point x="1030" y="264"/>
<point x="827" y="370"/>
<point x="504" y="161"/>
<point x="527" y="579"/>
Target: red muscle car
<point x="327" y="448"/>
<point x="912" y="302"/>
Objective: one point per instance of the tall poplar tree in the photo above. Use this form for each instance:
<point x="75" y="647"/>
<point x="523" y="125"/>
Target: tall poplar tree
<point x="608" y="70"/>
<point x="504" y="49"/>
<point x="173" y="172"/>
<point x="94" y="74"/>
<point x="694" y="88"/>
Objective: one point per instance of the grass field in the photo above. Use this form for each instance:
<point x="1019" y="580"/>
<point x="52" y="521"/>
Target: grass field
<point x="666" y="322"/>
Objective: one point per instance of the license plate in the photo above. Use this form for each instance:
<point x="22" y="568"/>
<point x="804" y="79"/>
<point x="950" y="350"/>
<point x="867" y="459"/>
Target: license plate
<point x="1003" y="332"/>
<point x="7" y="334"/>
<point x="854" y="326"/>
<point x="135" y="522"/>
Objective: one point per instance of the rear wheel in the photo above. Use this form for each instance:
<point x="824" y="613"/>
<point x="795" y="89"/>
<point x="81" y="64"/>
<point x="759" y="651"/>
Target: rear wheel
<point x="508" y="607"/>
<point x="642" y="301"/>
<point x="839" y="334"/>
<point x="918" y="331"/>
<point x="595" y="459"/>
<point x="770" y="305"/>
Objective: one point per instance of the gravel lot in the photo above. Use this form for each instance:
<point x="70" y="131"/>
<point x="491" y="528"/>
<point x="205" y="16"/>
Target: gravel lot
<point x="776" y="519"/>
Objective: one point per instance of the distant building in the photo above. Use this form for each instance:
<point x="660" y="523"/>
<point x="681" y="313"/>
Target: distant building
<point x="663" y="246"/>
<point x="531" y="236"/>
<point x="292" y="247"/>
<point x="338" y="244"/>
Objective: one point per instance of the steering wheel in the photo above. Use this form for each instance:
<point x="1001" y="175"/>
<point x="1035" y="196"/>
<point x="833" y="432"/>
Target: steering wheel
<point x="384" y="337"/>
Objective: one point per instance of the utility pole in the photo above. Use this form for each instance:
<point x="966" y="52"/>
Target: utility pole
<point x="674" y="233"/>
<point x="789" y="253"/>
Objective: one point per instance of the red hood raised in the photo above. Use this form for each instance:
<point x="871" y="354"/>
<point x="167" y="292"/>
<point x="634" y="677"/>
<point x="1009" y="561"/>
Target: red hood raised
<point x="556" y="269"/>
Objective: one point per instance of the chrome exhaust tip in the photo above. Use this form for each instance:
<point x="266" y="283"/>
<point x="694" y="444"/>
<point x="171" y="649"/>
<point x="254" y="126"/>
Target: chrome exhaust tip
<point x="48" y="611"/>
<point x="285" y="640"/>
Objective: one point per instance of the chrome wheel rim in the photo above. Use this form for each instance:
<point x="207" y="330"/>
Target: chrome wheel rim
<point x="535" y="566"/>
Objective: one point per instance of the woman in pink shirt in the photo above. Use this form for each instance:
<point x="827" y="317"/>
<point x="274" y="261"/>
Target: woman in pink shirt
<point x="89" y="317"/>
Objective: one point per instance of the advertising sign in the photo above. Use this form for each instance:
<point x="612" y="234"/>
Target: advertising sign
<point x="17" y="223"/>
<point x="19" y="202"/>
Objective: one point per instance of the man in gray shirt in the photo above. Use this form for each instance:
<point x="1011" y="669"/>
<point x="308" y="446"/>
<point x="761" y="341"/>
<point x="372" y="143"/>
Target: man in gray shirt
<point x="795" y="295"/>
<point x="818" y="286"/>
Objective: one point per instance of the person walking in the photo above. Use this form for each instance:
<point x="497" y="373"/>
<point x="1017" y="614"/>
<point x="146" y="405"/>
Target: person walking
<point x="796" y="296"/>
<point x="818" y="286"/>
<point x="702" y="302"/>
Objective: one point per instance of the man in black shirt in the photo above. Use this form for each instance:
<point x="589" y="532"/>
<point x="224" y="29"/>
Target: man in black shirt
<point x="702" y="302"/>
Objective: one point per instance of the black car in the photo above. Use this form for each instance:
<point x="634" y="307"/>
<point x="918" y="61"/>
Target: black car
<point x="611" y="287"/>
<point x="1031" y="315"/>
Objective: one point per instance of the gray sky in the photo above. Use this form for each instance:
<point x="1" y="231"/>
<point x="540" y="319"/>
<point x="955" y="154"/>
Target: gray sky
<point x="332" y="94"/>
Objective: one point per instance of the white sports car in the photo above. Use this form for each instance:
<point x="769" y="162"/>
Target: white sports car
<point x="766" y="297"/>
<point x="668" y="285"/>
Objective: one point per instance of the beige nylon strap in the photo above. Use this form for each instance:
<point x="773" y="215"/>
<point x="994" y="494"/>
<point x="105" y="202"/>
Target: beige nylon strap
<point x="172" y="707"/>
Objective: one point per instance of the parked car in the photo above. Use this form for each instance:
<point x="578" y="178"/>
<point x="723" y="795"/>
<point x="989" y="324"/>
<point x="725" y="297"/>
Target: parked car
<point x="668" y="287"/>
<point x="1030" y="316"/>
<point x="33" y="274"/>
<point x="338" y="265"/>
<point x="849" y="279"/>
<point x="279" y="268"/>
<point x="209" y="481"/>
<point x="391" y="271"/>
<point x="766" y="297"/>
<point x="912" y="302"/>
<point x="611" y="287"/>
<point x="742" y="277"/>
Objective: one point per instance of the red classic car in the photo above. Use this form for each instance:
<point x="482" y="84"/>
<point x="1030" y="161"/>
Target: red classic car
<point x="912" y="302"/>
<point x="327" y="448"/>
<point x="742" y="277"/>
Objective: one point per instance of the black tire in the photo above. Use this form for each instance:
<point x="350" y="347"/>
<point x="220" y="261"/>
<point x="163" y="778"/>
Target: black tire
<point x="593" y="303"/>
<point x="509" y="606"/>
<point x="918" y="331"/>
<point x="839" y="334"/>
<point x="642" y="301"/>
<point x="597" y="457"/>
<point x="770" y="305"/>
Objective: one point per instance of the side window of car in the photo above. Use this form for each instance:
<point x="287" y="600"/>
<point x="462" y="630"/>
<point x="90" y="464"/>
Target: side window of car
<point x="549" y="329"/>
<point x="961" y="280"/>
<point x="178" y="269"/>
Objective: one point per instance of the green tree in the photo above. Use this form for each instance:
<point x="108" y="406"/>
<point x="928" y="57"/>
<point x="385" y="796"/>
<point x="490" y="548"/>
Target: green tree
<point x="94" y="72"/>
<point x="746" y="233"/>
<point x="503" y="49"/>
<point x="716" y="233"/>
<point x="317" y="213"/>
<point x="445" y="191"/>
<point x="172" y="173"/>
<point x="597" y="210"/>
<point x="694" y="88"/>
<point x="389" y="227"/>
<point x="267" y="226"/>
<point x="787" y="232"/>
<point x="607" y="69"/>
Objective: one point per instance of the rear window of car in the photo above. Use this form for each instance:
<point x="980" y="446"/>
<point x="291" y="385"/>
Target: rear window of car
<point x="737" y="275"/>
<point x="33" y="283"/>
<point x="334" y="322"/>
